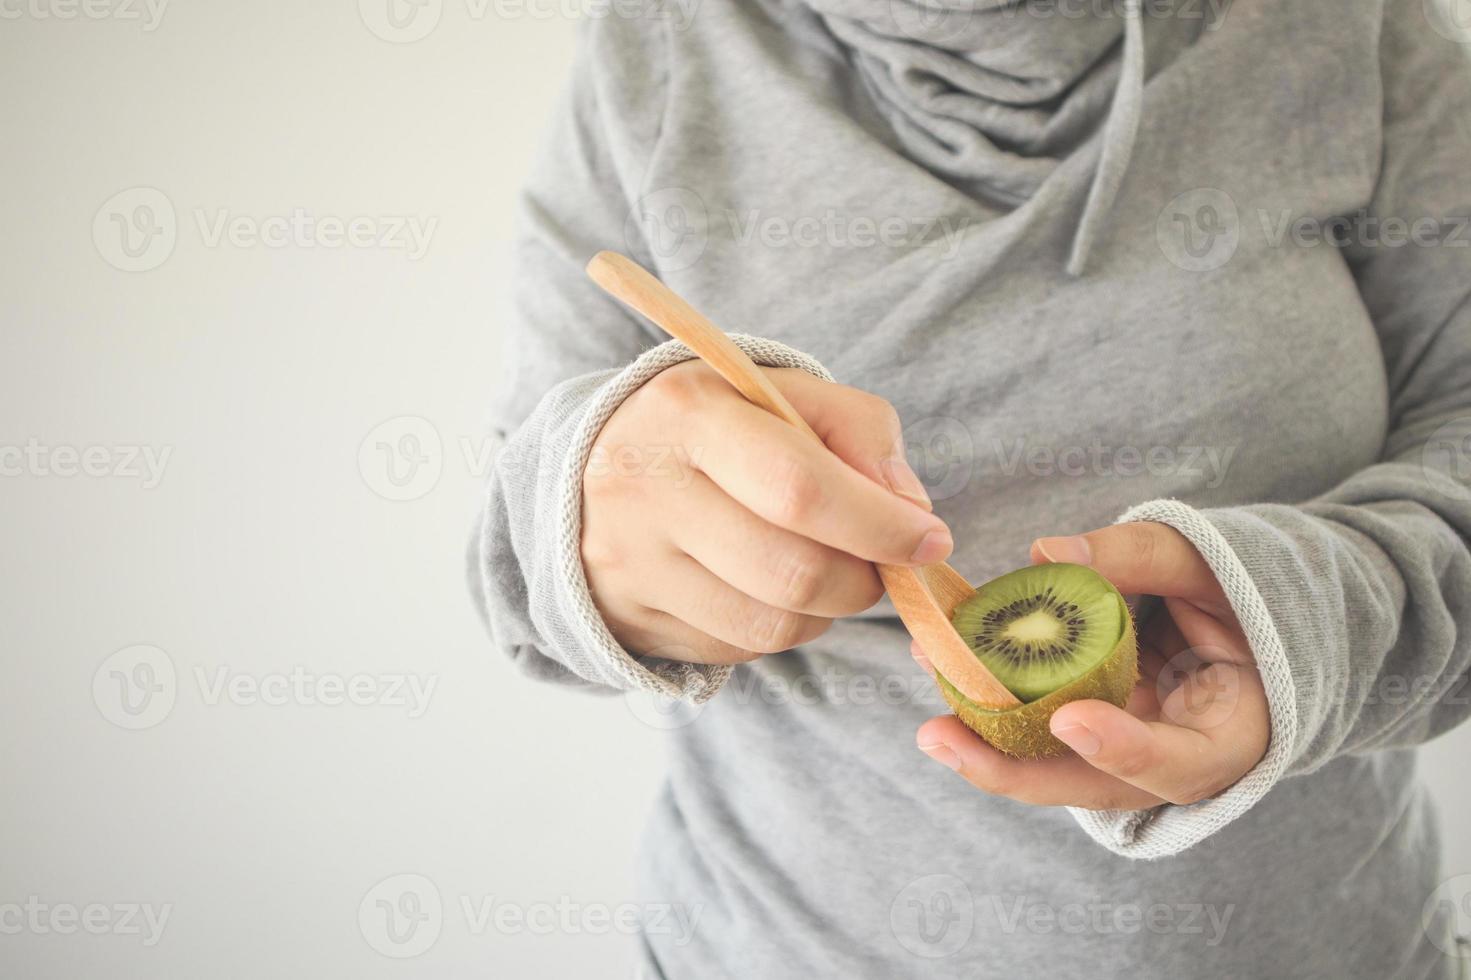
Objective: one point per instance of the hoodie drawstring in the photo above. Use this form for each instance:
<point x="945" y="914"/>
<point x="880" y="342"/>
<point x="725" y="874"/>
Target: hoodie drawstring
<point x="1119" y="134"/>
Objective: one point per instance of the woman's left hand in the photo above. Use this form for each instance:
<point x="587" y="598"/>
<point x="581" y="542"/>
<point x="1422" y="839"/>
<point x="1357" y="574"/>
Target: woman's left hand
<point x="1196" y="722"/>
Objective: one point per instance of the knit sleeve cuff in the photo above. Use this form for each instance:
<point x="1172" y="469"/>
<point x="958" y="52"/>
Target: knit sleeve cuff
<point x="1167" y="830"/>
<point x="695" y="683"/>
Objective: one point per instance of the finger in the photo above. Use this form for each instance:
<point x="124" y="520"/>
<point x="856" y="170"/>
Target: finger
<point x="1151" y="662"/>
<point x="769" y="563"/>
<point x="1143" y="557"/>
<point x="1144" y="701"/>
<point x="920" y="658"/>
<point x="701" y="600"/>
<point x="1063" y="781"/>
<point x="1162" y="634"/>
<point x="657" y="634"/>
<point x="1210" y="638"/>
<point x="644" y="630"/>
<point x="795" y="482"/>
<point x="1180" y="765"/>
<point x="861" y="428"/>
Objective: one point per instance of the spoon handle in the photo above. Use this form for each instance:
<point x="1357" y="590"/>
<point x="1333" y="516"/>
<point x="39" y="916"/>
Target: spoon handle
<point x="924" y="597"/>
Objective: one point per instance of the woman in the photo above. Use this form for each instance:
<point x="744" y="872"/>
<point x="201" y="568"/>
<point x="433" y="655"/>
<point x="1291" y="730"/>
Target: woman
<point x="1198" y="264"/>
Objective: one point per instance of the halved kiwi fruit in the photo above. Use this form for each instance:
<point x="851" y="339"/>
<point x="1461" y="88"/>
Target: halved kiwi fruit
<point x="1052" y="634"/>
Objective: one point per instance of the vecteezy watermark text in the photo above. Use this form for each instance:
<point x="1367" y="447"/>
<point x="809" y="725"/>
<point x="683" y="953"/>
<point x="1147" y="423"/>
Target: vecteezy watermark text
<point x="138" y="686"/>
<point x="300" y="686"/>
<point x="833" y="229"/>
<point x="403" y="915"/>
<point x="407" y="21"/>
<point x="137" y="230"/>
<point x="1208" y="463"/>
<point x="935" y="915"/>
<point x="1364" y="230"/>
<point x="1017" y="914"/>
<point x="40" y="460"/>
<point x="148" y="13"/>
<point x="40" y="918"/>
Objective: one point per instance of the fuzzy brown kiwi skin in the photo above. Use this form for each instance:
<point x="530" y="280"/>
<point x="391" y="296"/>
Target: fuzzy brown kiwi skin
<point x="1023" y="731"/>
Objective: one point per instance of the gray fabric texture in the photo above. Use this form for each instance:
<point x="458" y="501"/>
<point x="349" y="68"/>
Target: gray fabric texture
<point x="900" y="198"/>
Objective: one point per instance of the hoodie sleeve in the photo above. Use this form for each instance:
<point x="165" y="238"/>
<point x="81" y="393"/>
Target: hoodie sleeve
<point x="574" y="354"/>
<point x="1357" y="604"/>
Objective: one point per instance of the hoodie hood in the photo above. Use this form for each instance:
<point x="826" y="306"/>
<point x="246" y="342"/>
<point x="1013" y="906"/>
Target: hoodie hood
<point x="993" y="94"/>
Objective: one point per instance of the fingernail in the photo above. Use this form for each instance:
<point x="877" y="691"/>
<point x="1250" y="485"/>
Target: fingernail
<point x="903" y="481"/>
<point x="942" y="754"/>
<point x="1078" y="738"/>
<point x="1075" y="550"/>
<point x="923" y="661"/>
<point x="933" y="547"/>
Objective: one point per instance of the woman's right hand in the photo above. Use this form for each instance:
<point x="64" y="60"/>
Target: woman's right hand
<point x="714" y="532"/>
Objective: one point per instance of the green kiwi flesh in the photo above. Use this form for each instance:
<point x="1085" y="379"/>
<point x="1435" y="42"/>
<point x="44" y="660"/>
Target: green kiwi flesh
<point x="1052" y="634"/>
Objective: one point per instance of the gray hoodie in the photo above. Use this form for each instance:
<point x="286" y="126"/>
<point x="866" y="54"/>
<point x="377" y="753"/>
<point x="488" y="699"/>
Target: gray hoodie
<point x="1181" y="261"/>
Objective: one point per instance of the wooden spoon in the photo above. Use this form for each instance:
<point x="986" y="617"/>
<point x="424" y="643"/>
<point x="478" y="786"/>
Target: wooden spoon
<point x="925" y="597"/>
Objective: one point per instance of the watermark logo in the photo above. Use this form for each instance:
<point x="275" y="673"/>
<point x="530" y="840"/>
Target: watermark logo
<point x="401" y="21"/>
<point x="941" y="452"/>
<point x="401" y="916"/>
<point x="402" y="458"/>
<point x="1446" y="459"/>
<point x="1447" y="917"/>
<point x="934" y="24"/>
<point x="933" y="917"/>
<point x="136" y="229"/>
<point x="1200" y="230"/>
<point x="660" y="711"/>
<point x="672" y="224"/>
<point x="1450" y="19"/>
<point x="1198" y="689"/>
<point x="136" y="687"/>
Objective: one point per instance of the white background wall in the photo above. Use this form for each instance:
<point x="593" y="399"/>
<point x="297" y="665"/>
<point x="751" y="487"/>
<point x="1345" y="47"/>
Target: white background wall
<point x="269" y="544"/>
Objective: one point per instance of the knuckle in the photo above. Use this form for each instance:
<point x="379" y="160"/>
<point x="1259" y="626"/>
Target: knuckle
<point x="793" y="492"/>
<point x="993" y="780"/>
<point x="597" y="480"/>
<point x="801" y="578"/>
<point x="869" y="593"/>
<point x="1131" y="765"/>
<point x="813" y="627"/>
<point x="1191" y="794"/>
<point x="881" y="414"/>
<point x="725" y="653"/>
<point x="601" y="554"/>
<point x="1142" y="547"/>
<point x="775" y="631"/>
<point x="679" y="388"/>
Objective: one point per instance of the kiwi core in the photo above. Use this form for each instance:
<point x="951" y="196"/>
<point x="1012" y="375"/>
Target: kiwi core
<point x="1038" y="627"/>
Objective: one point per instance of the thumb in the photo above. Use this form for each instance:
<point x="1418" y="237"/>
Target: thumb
<point x="1142" y="558"/>
<point x="859" y="427"/>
